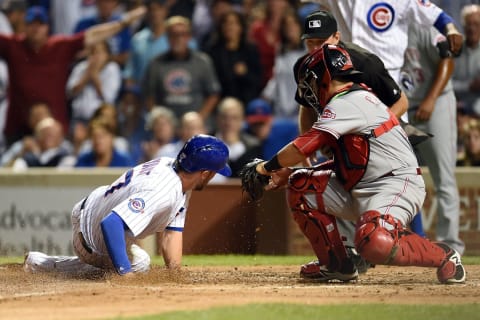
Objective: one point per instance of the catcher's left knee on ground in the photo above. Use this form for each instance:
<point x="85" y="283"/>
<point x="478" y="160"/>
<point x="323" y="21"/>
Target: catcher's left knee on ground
<point x="382" y="240"/>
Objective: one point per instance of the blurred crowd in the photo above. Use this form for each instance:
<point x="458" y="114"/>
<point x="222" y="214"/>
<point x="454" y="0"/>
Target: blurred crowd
<point x="223" y="67"/>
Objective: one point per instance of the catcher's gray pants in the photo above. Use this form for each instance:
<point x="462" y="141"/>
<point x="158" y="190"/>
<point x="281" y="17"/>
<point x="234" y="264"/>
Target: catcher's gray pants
<point x="400" y="196"/>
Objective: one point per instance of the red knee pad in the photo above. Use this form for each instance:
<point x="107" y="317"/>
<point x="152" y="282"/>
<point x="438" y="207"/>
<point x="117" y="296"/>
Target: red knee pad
<point x="376" y="237"/>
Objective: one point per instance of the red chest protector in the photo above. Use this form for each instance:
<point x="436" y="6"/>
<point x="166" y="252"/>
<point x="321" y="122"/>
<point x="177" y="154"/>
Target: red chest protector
<point x="351" y="152"/>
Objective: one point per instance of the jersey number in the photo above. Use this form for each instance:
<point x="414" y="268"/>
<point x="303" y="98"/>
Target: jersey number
<point x="116" y="186"/>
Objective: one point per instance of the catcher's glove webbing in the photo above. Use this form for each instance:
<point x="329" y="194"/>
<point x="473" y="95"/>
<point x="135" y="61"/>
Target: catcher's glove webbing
<point x="253" y="183"/>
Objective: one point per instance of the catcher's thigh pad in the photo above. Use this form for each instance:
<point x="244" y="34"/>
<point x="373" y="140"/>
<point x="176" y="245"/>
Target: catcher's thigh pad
<point x="381" y="239"/>
<point x="319" y="227"/>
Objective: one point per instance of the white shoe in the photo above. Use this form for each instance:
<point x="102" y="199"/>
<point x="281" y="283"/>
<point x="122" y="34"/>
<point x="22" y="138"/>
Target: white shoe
<point x="452" y="270"/>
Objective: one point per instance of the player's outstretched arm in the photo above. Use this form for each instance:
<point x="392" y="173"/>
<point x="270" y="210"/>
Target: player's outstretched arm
<point x="113" y="229"/>
<point x="172" y="248"/>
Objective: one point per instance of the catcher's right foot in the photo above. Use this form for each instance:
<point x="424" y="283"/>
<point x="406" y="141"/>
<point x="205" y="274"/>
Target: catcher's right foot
<point x="320" y="273"/>
<point x="452" y="270"/>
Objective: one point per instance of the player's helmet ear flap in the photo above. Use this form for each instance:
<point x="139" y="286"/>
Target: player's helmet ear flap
<point x="204" y="152"/>
<point x="317" y="71"/>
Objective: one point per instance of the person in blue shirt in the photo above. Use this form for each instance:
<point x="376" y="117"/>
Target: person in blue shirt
<point x="120" y="42"/>
<point x="149" y="42"/>
<point x="103" y="153"/>
<point x="274" y="133"/>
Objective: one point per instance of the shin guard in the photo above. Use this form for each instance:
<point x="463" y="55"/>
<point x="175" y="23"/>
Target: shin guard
<point x="382" y="240"/>
<point x="319" y="227"/>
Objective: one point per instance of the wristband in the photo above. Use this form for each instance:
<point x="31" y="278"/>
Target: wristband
<point x="441" y="23"/>
<point x="272" y="164"/>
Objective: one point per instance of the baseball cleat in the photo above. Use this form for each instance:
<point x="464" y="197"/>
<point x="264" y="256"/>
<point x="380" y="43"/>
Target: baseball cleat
<point x="452" y="270"/>
<point x="320" y="273"/>
<point x="360" y="263"/>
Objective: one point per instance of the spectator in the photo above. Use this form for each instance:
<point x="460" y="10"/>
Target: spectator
<point x="131" y="120"/>
<point x="236" y="61"/>
<point x="92" y="82"/>
<point x="107" y="112"/>
<point x="183" y="8"/>
<point x="48" y="149"/>
<point x="191" y="124"/>
<point x="15" y="11"/>
<point x="230" y="123"/>
<point x="66" y="14"/>
<point x="274" y="133"/>
<point x="5" y="26"/>
<point x="181" y="79"/>
<point x="3" y="102"/>
<point x="7" y="9"/>
<point x="265" y="33"/>
<point x="282" y="86"/>
<point x="36" y="57"/>
<point x="103" y="153"/>
<point x="206" y="18"/>
<point x="37" y="112"/>
<point x="466" y="77"/>
<point x="163" y="124"/>
<point x="106" y="12"/>
<point x="149" y="42"/>
<point x="472" y="144"/>
<point x="463" y="119"/>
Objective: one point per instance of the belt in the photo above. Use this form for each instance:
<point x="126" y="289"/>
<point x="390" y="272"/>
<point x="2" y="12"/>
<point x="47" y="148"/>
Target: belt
<point x="416" y="171"/>
<point x="80" y="234"/>
<point x="84" y="243"/>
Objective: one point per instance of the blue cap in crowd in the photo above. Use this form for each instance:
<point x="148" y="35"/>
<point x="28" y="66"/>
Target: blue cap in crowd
<point x="258" y="110"/>
<point x="36" y="13"/>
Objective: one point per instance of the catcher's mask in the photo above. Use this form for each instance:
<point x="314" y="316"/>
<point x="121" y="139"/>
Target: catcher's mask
<point x="204" y="152"/>
<point x="317" y="71"/>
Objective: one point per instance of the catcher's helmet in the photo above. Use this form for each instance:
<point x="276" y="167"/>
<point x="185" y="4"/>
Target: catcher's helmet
<point x="204" y="152"/>
<point x="319" y="68"/>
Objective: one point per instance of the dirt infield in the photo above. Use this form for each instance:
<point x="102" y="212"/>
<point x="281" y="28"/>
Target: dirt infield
<point x="28" y="296"/>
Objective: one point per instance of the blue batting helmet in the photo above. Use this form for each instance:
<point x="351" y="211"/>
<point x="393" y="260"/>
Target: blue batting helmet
<point x="204" y="152"/>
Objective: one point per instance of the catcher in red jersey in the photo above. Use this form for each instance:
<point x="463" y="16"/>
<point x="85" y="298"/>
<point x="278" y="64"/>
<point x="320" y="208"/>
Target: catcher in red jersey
<point x="373" y="177"/>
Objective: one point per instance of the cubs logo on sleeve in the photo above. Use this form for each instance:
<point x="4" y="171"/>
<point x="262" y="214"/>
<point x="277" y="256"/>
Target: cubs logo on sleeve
<point x="380" y="17"/>
<point x="136" y="205"/>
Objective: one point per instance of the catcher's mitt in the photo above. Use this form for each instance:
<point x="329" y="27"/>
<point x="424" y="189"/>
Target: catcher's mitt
<point x="253" y="183"/>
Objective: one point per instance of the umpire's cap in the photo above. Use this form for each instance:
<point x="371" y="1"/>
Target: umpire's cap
<point x="204" y="152"/>
<point x="319" y="24"/>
